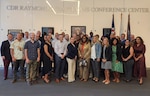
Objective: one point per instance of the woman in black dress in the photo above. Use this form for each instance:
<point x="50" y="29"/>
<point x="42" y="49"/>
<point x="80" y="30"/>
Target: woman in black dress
<point x="47" y="59"/>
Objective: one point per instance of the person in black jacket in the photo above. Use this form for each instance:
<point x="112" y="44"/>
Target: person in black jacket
<point x="5" y="54"/>
<point x="71" y="59"/>
<point x="106" y="59"/>
<point x="117" y="66"/>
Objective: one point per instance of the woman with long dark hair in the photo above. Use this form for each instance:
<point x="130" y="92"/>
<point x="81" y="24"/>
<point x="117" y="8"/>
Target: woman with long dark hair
<point x="47" y="59"/>
<point x="139" y="57"/>
<point x="117" y="66"/>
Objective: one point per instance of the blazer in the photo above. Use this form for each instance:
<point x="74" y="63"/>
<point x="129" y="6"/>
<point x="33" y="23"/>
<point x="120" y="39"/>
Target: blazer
<point x="5" y="50"/>
<point x="86" y="50"/>
<point x="119" y="53"/>
<point x="108" y="53"/>
<point x="98" y="49"/>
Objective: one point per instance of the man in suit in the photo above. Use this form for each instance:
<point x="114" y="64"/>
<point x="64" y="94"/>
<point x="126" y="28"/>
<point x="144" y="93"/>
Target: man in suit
<point x="5" y="54"/>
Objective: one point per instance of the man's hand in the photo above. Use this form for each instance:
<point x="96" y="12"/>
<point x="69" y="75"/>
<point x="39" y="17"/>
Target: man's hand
<point x="13" y="59"/>
<point x="62" y="56"/>
<point x="27" y="61"/>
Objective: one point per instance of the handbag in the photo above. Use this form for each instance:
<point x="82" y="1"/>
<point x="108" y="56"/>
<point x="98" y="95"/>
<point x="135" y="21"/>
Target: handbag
<point x="83" y="63"/>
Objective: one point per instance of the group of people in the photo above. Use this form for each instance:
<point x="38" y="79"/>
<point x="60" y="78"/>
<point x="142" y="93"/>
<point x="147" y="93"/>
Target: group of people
<point x="78" y="56"/>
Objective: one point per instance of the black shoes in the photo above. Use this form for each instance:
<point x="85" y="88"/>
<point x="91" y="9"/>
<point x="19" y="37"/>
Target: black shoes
<point x="14" y="80"/>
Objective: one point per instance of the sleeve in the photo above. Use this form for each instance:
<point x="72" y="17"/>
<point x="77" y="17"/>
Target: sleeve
<point x="39" y="46"/>
<point x="119" y="52"/>
<point x="88" y="53"/>
<point x="109" y="53"/>
<point x="12" y="45"/>
<point x="56" y="49"/>
<point x="68" y="47"/>
<point x="143" y="49"/>
<point x="26" y="45"/>
<point x="2" y="49"/>
<point x="79" y="53"/>
<point x="65" y="50"/>
<point x="99" y="50"/>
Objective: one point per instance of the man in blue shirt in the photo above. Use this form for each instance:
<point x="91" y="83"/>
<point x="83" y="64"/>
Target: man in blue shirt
<point x="32" y="55"/>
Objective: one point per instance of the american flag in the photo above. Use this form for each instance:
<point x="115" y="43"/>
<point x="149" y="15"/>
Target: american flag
<point x="128" y="28"/>
<point x="113" y="25"/>
<point x="121" y="26"/>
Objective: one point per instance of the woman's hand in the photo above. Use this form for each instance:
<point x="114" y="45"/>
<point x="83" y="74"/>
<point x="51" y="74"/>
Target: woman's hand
<point x="104" y="60"/>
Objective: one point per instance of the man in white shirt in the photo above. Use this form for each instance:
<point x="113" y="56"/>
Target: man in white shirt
<point x="17" y="54"/>
<point x="60" y="50"/>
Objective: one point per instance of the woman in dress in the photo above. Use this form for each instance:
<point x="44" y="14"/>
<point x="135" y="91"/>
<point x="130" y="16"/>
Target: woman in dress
<point x="47" y="59"/>
<point x="106" y="60"/>
<point x="128" y="61"/>
<point x="117" y="66"/>
<point x="139" y="66"/>
<point x="84" y="53"/>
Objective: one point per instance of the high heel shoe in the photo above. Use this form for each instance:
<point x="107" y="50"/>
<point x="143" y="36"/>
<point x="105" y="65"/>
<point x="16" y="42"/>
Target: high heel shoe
<point x="103" y="81"/>
<point x="117" y="81"/>
<point x="46" y="81"/>
<point x="81" y="79"/>
<point x="96" y="80"/>
<point x="140" y="82"/>
<point x="107" y="82"/>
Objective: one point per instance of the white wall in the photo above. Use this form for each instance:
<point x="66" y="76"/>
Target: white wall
<point x="34" y="20"/>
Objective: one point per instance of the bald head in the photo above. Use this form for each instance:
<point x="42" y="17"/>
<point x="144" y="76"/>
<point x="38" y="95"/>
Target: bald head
<point x="32" y="35"/>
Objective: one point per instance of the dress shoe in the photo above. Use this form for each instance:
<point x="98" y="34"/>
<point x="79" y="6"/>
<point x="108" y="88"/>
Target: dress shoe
<point x="57" y="80"/>
<point x="35" y="82"/>
<point x="5" y="78"/>
<point x="29" y="83"/>
<point x="14" y="81"/>
<point x="62" y="78"/>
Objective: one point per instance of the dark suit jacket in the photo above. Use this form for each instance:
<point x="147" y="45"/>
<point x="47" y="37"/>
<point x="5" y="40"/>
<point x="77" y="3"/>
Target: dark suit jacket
<point x="5" y="50"/>
<point x="108" y="53"/>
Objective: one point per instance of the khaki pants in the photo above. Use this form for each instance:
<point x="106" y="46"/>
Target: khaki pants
<point x="71" y="69"/>
<point x="31" y="70"/>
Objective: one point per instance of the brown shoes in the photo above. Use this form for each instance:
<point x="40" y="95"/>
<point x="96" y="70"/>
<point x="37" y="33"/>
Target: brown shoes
<point x="57" y="80"/>
<point x="14" y="80"/>
<point x="62" y="78"/>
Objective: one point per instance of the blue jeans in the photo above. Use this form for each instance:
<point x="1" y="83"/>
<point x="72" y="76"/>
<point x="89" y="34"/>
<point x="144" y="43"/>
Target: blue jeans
<point x="59" y="67"/>
<point x="96" y="68"/>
